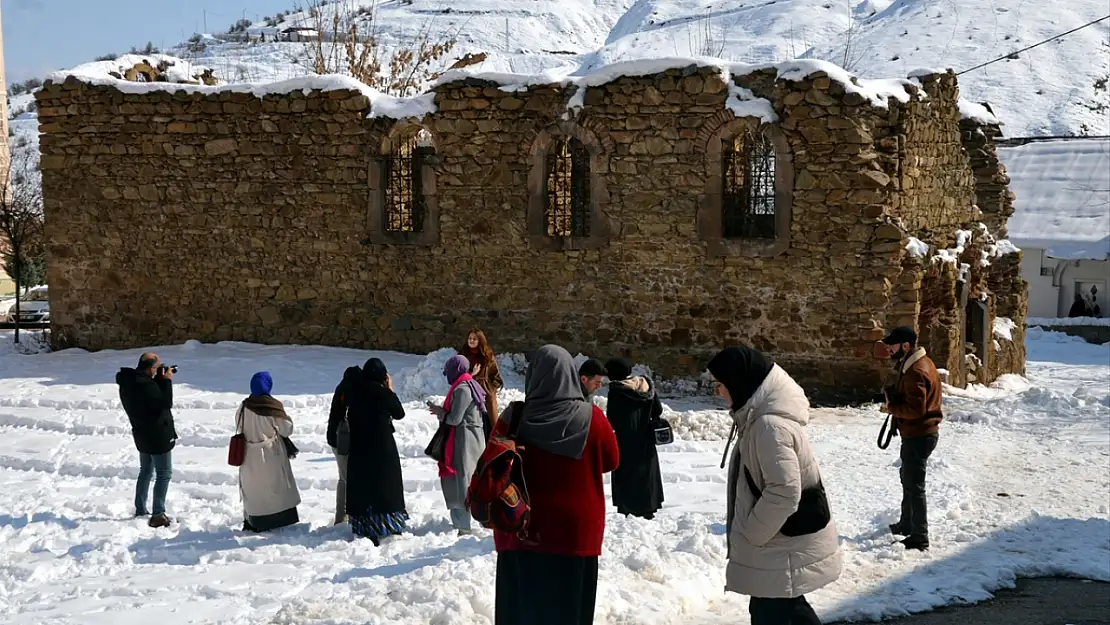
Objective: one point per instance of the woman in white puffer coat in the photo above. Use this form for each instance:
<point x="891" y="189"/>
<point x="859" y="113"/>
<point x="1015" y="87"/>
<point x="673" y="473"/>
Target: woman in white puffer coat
<point x="782" y="541"/>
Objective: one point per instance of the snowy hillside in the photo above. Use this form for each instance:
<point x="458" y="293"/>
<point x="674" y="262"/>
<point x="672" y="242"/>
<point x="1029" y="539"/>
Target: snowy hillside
<point x="1016" y="488"/>
<point x="1056" y="89"/>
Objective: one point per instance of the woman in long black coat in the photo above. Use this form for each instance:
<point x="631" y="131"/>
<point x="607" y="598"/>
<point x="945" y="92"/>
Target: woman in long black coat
<point x="632" y="409"/>
<point x="375" y="490"/>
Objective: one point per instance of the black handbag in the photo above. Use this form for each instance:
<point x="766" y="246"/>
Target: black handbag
<point x="813" y="513"/>
<point x="290" y="449"/>
<point x="437" y="447"/>
<point x="664" y="434"/>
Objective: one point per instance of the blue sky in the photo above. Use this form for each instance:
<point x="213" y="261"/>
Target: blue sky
<point x="44" y="35"/>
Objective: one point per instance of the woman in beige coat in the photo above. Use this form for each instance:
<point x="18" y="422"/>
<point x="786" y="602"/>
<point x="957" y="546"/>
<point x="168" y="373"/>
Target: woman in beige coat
<point x="782" y="542"/>
<point x="266" y="484"/>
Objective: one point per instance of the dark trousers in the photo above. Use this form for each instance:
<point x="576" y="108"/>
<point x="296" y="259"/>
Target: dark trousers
<point x="160" y="467"/>
<point x="796" y="611"/>
<point x="915" y="455"/>
<point x="544" y="589"/>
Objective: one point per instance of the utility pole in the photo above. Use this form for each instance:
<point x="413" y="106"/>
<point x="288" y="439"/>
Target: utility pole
<point x="205" y="21"/>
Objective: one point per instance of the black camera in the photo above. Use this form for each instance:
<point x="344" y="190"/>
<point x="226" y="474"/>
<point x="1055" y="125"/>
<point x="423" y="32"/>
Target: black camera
<point x="164" y="368"/>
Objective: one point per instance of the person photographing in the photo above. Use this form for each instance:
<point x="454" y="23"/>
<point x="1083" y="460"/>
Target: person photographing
<point x="146" y="393"/>
<point x="914" y="403"/>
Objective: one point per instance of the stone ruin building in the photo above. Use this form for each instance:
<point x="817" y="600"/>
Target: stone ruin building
<point x="656" y="212"/>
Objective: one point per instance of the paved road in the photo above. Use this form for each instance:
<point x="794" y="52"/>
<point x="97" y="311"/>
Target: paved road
<point x="1047" y="601"/>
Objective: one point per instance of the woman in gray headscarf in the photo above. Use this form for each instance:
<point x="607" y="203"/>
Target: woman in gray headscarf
<point x="549" y="574"/>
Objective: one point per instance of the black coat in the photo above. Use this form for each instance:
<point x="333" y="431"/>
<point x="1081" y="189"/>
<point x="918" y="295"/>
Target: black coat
<point x="374" y="479"/>
<point x="147" y="402"/>
<point x="637" y="482"/>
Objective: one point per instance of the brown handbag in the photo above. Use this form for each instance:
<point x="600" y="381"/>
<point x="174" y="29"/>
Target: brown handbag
<point x="237" y="448"/>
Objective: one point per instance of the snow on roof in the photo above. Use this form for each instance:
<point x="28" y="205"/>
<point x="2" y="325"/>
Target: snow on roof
<point x="178" y="70"/>
<point x="977" y="112"/>
<point x="1062" y="197"/>
<point x="876" y="91"/>
<point x="381" y="105"/>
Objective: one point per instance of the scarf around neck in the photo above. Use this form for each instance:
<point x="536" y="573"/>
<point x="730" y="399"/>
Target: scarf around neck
<point x="266" y="406"/>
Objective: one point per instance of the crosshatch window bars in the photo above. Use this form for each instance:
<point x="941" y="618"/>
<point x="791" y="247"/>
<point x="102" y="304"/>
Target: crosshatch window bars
<point x="568" y="189"/>
<point x="748" y="207"/>
<point x="402" y="179"/>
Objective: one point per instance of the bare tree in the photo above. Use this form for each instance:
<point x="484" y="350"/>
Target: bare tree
<point x="852" y="56"/>
<point x="345" y="42"/>
<point x="21" y="219"/>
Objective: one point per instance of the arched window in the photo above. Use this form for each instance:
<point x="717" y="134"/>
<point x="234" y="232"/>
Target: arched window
<point x="402" y="181"/>
<point x="748" y="177"/>
<point x="746" y="209"/>
<point x="568" y="189"/>
<point x="406" y="208"/>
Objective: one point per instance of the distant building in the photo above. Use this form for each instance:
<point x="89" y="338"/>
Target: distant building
<point x="1061" y="221"/>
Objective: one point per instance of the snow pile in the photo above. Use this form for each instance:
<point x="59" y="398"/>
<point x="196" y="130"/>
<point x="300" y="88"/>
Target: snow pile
<point x="30" y="342"/>
<point x="1050" y="322"/>
<point x="916" y="247"/>
<point x="952" y="255"/>
<point x="1003" y="328"/>
<point x="743" y="103"/>
<point x="108" y="72"/>
<point x="977" y="113"/>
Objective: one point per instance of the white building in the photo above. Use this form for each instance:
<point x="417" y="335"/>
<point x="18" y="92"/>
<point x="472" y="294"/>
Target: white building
<point x="1061" y="222"/>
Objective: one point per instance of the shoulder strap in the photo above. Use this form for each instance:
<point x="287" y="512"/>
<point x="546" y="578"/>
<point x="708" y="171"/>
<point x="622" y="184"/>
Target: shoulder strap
<point x="516" y="416"/>
<point x="751" y="483"/>
<point x="239" y="420"/>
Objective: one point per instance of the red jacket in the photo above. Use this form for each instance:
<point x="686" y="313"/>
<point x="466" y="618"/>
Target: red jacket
<point x="568" y="496"/>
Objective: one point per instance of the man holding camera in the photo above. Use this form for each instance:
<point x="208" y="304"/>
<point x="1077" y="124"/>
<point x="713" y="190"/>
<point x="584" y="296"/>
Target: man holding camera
<point x="914" y="403"/>
<point x="147" y="396"/>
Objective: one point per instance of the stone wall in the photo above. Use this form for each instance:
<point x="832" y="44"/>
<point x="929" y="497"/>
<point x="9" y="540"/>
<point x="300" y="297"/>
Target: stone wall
<point x="221" y="215"/>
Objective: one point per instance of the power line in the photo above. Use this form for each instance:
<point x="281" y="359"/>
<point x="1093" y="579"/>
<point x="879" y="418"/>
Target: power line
<point x="1039" y="43"/>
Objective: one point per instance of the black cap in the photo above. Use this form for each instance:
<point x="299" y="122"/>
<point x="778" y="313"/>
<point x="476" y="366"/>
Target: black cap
<point x="901" y="334"/>
<point x="593" y="367"/>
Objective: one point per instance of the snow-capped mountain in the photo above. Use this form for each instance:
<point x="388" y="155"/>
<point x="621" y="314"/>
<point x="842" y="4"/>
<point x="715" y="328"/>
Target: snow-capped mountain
<point x="1056" y="89"/>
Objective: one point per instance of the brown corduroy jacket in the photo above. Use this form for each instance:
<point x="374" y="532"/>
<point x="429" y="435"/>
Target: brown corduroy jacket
<point x="916" y="402"/>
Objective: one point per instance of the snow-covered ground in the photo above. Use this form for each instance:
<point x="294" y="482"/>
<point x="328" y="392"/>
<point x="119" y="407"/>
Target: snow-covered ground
<point x="1018" y="486"/>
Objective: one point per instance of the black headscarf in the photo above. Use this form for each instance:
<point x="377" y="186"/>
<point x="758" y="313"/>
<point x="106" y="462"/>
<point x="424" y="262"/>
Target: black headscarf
<point x="742" y="370"/>
<point x="618" y="369"/>
<point x="374" y="371"/>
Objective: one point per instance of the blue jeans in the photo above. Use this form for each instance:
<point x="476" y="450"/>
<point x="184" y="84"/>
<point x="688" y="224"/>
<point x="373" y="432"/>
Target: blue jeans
<point x="161" y="467"/>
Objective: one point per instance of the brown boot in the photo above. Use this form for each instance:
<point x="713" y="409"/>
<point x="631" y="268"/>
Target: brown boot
<point x="159" y="520"/>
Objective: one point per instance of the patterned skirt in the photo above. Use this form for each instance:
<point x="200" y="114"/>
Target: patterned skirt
<point x="375" y="526"/>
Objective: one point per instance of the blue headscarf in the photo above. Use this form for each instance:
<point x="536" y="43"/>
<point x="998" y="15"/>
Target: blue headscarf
<point x="261" y="383"/>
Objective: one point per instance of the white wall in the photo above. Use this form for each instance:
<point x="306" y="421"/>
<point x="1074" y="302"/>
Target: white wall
<point x="1046" y="300"/>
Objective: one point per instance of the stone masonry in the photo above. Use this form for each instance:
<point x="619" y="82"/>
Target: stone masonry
<point x="215" y="215"/>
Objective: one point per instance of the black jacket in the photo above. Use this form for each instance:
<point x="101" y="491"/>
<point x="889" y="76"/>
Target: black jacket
<point x="351" y="378"/>
<point x="637" y="483"/>
<point x="147" y="402"/>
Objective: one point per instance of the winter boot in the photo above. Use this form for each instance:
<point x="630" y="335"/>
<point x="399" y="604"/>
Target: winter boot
<point x="159" y="520"/>
<point x="919" y="544"/>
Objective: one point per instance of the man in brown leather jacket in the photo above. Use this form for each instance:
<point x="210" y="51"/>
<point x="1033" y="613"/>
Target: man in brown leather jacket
<point x="914" y="402"/>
